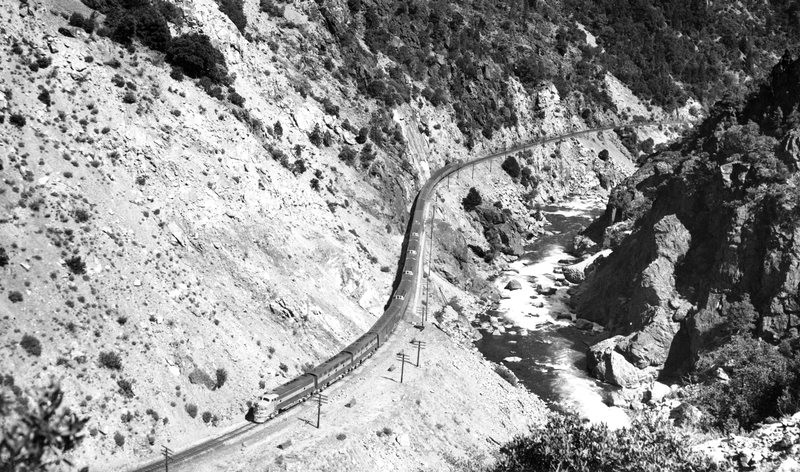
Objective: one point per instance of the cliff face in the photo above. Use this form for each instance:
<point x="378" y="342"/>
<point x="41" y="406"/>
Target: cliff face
<point x="702" y="229"/>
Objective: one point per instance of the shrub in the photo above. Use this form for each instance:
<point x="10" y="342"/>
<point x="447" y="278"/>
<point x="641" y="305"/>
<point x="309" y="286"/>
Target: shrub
<point x="75" y="265"/>
<point x="129" y="97"/>
<point x="119" y="439"/>
<point x="763" y="382"/>
<point x="206" y="416"/>
<point x="14" y="296"/>
<point x="603" y="155"/>
<point x="81" y="215"/>
<point x="472" y="200"/>
<point x="222" y="377"/>
<point x="367" y="155"/>
<point x="348" y="155"/>
<point x="511" y="166"/>
<point x="45" y="98"/>
<point x="199" y="376"/>
<point x="233" y="9"/>
<point x="17" y="120"/>
<point x="236" y="99"/>
<point x="110" y="360"/>
<point x="315" y="136"/>
<point x="3" y="257"/>
<point x="277" y="129"/>
<point x="565" y="443"/>
<point x="269" y="7"/>
<point x="125" y="388"/>
<point x="197" y="57"/>
<point x="31" y="345"/>
<point x="80" y="21"/>
<point x="191" y="409"/>
<point x="341" y="436"/>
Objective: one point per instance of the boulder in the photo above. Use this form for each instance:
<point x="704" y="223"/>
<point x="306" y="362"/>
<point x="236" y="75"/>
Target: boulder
<point x="608" y="365"/>
<point x="686" y="414"/>
<point x="576" y="273"/>
<point x="513" y="284"/>
<point x="545" y="290"/>
<point x="583" y="325"/>
<point x="656" y="392"/>
<point x="582" y="245"/>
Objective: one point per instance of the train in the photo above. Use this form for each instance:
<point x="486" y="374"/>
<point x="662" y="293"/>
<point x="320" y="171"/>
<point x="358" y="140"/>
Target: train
<point x="301" y="388"/>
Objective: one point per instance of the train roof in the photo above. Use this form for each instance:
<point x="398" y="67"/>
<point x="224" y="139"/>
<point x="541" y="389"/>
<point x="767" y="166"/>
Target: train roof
<point x="294" y="384"/>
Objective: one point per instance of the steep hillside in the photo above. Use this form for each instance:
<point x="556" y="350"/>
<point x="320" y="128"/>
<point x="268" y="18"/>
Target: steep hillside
<point x="705" y="239"/>
<point x="199" y="200"/>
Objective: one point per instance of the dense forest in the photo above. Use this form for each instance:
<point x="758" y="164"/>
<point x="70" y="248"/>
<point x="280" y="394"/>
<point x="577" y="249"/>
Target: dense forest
<point x="671" y="50"/>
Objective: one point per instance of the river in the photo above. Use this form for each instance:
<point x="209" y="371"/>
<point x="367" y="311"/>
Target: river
<point x="537" y="342"/>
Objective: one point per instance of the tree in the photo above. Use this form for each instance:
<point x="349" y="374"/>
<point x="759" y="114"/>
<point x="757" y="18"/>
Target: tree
<point x="472" y="200"/>
<point x="348" y="155"/>
<point x="197" y="57"/>
<point x="511" y="166"/>
<point x="33" y="438"/>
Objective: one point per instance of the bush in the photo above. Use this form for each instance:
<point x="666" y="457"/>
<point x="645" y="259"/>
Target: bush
<point x="80" y="21"/>
<point x="348" y="155"/>
<point x="3" y="257"/>
<point x="236" y="99"/>
<point x="367" y="155"/>
<point x="119" y="439"/>
<point x="233" y="9"/>
<point x="45" y="98"/>
<point x="75" y="265"/>
<point x="277" y="129"/>
<point x="197" y="57"/>
<point x="565" y="443"/>
<point x="129" y="98"/>
<point x="191" y="409"/>
<point x="222" y="377"/>
<point x="17" y="120"/>
<point x="15" y="296"/>
<point x="206" y="416"/>
<point x="269" y="7"/>
<point x="315" y="136"/>
<point x="110" y="360"/>
<point x="472" y="200"/>
<point x="31" y="345"/>
<point x="125" y="388"/>
<point x="199" y="376"/>
<point x="603" y="155"/>
<point x="511" y="166"/>
<point x="764" y="382"/>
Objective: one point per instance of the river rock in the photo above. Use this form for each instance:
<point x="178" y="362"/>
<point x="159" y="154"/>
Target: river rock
<point x="608" y="365"/>
<point x="513" y="284"/>
<point x="656" y="392"/>
<point x="576" y="273"/>
<point x="583" y="325"/>
<point x="541" y="290"/>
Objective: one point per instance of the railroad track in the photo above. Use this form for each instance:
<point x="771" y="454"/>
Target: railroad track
<point x="420" y="211"/>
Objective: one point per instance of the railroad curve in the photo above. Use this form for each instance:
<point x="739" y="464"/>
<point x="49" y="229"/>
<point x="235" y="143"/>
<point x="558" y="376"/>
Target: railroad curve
<point x="415" y="229"/>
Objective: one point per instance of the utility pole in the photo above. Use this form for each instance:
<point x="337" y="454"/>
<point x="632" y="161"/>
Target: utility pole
<point x="420" y="346"/>
<point x="167" y="456"/>
<point x="403" y="358"/>
<point x="473" y="172"/>
<point x="321" y="399"/>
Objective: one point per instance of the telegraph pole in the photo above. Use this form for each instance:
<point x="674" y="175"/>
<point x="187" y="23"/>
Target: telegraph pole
<point x="420" y="346"/>
<point x="167" y="456"/>
<point x="403" y="358"/>
<point x="321" y="399"/>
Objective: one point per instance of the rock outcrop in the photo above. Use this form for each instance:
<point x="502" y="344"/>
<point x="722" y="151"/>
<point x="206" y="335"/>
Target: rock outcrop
<point x="701" y="227"/>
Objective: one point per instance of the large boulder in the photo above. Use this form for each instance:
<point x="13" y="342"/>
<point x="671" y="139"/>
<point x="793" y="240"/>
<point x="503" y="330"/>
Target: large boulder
<point x="576" y="273"/>
<point x="686" y="414"/>
<point x="605" y="363"/>
<point x="513" y="284"/>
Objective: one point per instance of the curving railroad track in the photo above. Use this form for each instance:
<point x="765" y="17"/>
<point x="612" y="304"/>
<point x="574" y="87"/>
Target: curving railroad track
<point x="404" y="296"/>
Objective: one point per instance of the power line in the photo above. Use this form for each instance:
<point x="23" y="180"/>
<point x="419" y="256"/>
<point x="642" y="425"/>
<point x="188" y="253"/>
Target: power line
<point x="167" y="456"/>
<point x="403" y="358"/>
<point x="420" y="346"/>
<point x="321" y="399"/>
